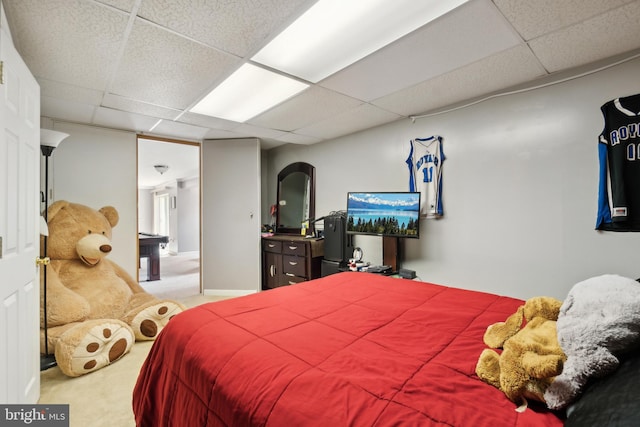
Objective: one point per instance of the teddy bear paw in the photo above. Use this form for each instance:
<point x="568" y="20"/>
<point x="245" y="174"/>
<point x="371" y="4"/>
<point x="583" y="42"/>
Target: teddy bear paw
<point x="87" y="348"/>
<point x="150" y="321"/>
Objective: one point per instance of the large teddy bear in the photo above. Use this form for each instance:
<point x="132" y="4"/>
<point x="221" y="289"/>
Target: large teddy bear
<point x="531" y="356"/>
<point x="95" y="309"/>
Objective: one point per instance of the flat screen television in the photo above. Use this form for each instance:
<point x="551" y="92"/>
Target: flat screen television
<point x="384" y="214"/>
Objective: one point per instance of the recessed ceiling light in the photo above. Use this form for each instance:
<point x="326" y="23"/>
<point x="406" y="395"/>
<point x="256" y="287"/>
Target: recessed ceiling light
<point x="249" y="91"/>
<point x="333" y="34"/>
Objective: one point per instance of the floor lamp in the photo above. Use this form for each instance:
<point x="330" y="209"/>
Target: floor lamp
<point x="49" y="140"/>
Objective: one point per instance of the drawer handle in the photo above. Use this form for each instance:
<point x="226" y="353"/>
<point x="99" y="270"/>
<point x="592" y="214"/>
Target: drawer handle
<point x="293" y="248"/>
<point x="293" y="263"/>
<point x="292" y="283"/>
<point x="271" y="245"/>
<point x="290" y="275"/>
<point x="272" y="270"/>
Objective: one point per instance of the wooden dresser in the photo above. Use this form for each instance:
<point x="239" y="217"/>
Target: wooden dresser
<point x="290" y="259"/>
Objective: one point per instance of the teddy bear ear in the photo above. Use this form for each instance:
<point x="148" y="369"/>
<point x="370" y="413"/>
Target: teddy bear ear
<point x="56" y="207"/>
<point x="498" y="333"/>
<point x="111" y="214"/>
<point x="546" y="307"/>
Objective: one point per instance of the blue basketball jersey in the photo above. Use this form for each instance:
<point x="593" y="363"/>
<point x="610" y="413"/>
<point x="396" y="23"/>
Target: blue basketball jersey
<point x="425" y="173"/>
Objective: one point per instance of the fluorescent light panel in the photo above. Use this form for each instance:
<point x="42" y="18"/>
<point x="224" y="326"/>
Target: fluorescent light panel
<point x="330" y="36"/>
<point x="333" y="34"/>
<point x="248" y="92"/>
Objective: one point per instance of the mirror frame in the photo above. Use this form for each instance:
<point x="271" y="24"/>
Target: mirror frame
<point x="310" y="171"/>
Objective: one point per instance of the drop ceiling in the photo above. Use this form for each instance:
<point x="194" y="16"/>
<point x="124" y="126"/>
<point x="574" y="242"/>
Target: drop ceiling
<point x="140" y="65"/>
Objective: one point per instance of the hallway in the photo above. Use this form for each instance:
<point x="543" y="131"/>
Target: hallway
<point x="179" y="276"/>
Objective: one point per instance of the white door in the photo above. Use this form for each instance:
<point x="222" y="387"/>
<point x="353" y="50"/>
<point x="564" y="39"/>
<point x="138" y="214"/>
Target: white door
<point x="19" y="229"/>
<point x="230" y="255"/>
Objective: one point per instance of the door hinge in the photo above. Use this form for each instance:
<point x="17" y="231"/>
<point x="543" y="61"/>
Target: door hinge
<point x="1" y="72"/>
<point x="43" y="260"/>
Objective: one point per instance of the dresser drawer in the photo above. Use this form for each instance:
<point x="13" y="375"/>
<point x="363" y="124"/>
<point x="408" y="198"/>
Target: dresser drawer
<point x="289" y="259"/>
<point x="294" y="265"/>
<point x="272" y="246"/>
<point x="294" y="248"/>
<point x="292" y="280"/>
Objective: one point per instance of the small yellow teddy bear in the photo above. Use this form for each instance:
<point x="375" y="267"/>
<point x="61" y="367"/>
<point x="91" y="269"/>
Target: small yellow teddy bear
<point x="531" y="355"/>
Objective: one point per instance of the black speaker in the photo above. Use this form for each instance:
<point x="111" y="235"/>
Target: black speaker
<point x="337" y="244"/>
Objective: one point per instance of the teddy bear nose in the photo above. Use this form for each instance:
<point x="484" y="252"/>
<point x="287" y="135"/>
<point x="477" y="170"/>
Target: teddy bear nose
<point x="105" y="248"/>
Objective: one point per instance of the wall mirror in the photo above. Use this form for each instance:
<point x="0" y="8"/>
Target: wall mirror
<point x="296" y="198"/>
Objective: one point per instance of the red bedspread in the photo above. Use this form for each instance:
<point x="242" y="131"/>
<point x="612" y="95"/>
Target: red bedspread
<point x="350" y="349"/>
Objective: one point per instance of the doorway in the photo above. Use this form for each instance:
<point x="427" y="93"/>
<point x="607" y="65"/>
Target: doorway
<point x="169" y="211"/>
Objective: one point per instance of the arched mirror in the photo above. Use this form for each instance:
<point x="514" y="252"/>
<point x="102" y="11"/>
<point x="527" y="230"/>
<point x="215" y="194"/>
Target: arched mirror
<point x="296" y="198"/>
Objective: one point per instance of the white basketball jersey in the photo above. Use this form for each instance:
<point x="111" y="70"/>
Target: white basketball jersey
<point x="425" y="174"/>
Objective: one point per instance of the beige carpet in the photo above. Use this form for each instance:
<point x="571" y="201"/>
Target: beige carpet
<point x="179" y="276"/>
<point x="103" y="398"/>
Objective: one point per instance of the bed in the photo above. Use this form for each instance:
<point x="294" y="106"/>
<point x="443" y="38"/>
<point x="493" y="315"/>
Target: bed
<point x="350" y="349"/>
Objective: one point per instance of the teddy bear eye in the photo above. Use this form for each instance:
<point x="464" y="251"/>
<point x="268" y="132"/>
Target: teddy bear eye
<point x="88" y="231"/>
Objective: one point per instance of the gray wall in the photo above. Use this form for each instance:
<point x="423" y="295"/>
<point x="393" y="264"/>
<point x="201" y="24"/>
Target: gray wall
<point x="520" y="188"/>
<point x="189" y="215"/>
<point x="97" y="167"/>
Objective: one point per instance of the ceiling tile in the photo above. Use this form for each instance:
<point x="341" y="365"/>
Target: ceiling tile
<point x="603" y="36"/>
<point x="83" y="54"/>
<point x="100" y="64"/>
<point x="452" y="41"/>
<point x="247" y="130"/>
<point x="312" y="105"/>
<point x="237" y="27"/>
<point x="180" y="130"/>
<point x="132" y="106"/>
<point x="174" y="71"/>
<point x="362" y="117"/>
<point x="533" y="18"/>
<point x="295" y="138"/>
<point x="207" y="121"/>
<point x="222" y="134"/>
<point x="60" y="109"/>
<point x="124" y="5"/>
<point x="502" y="70"/>
<point x="122" y="120"/>
<point x="70" y="92"/>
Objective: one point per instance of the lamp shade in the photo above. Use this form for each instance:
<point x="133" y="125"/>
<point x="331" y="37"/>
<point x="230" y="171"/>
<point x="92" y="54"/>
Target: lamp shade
<point x="51" y="138"/>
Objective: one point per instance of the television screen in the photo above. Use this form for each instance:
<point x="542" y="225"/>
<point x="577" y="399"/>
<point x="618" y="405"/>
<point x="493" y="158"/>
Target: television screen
<point x="384" y="214"/>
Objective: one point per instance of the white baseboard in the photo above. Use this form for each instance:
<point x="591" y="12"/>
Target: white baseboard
<point x="229" y="292"/>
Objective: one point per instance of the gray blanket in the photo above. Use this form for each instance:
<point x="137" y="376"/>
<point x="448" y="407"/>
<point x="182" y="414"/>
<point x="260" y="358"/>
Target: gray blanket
<point x="598" y="322"/>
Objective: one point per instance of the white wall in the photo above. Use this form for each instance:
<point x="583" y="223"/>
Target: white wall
<point x="170" y="189"/>
<point x="520" y="188"/>
<point x="188" y="215"/>
<point x="145" y="210"/>
<point x="97" y="167"/>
